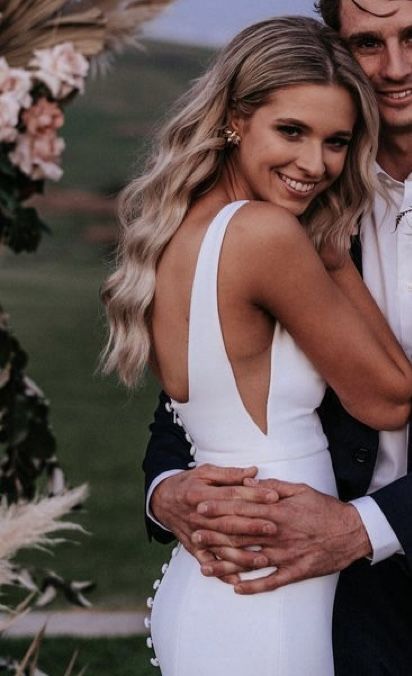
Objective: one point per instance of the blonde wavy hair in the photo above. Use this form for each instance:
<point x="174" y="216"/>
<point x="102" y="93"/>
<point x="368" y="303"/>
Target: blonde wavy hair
<point x="190" y="153"/>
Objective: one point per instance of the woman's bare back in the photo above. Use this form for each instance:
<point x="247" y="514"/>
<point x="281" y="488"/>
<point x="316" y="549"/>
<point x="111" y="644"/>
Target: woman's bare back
<point x="247" y="329"/>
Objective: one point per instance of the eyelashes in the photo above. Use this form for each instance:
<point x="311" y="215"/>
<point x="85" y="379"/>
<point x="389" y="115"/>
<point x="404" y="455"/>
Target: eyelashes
<point x="289" y="130"/>
<point x="293" y="132"/>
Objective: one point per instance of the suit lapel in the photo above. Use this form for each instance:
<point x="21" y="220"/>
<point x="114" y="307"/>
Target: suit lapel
<point x="356" y="253"/>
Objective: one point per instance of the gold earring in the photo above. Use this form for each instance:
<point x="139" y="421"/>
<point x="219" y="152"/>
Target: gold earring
<point x="232" y="137"/>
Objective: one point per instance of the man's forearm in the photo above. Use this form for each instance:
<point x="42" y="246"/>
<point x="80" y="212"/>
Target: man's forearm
<point x="150" y="511"/>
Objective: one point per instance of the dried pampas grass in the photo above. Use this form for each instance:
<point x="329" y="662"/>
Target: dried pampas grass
<point x="93" y="26"/>
<point x="28" y="524"/>
<point x="124" y="18"/>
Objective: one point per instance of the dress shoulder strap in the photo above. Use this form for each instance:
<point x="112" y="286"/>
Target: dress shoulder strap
<point x="205" y="337"/>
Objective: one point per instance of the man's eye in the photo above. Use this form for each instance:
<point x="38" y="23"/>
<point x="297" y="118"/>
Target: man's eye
<point x="367" y="44"/>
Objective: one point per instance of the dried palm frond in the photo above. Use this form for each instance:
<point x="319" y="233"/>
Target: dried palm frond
<point x="31" y="656"/>
<point x="93" y="26"/>
<point x="28" y="524"/>
<point x="125" y="18"/>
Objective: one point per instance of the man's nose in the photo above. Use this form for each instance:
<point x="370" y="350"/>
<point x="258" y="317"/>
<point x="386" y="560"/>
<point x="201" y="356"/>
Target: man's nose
<point x="397" y="62"/>
<point x="311" y="160"/>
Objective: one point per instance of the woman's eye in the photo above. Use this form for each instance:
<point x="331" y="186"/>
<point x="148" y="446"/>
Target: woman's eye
<point x="338" y="142"/>
<point x="289" y="130"/>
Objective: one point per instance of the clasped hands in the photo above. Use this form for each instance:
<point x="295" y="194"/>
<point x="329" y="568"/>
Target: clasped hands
<point x="220" y="513"/>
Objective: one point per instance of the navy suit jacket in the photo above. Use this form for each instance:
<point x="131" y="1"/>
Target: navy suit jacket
<point x="353" y="447"/>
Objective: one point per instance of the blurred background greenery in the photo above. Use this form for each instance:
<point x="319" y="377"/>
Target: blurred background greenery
<point x="53" y="301"/>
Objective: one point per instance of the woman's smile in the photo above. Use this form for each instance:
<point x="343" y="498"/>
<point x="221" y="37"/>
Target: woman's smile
<point x="289" y="153"/>
<point x="297" y="186"/>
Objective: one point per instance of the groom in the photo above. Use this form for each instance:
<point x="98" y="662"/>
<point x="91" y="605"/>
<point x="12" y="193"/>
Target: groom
<point x="305" y="533"/>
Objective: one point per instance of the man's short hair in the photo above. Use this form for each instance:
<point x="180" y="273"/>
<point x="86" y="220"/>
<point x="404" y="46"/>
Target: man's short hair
<point x="329" y="10"/>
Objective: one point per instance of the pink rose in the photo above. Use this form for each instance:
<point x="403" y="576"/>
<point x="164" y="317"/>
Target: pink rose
<point x="9" y="117"/>
<point x="38" y="156"/>
<point x="17" y="82"/>
<point x="43" y="116"/>
<point x="61" y="68"/>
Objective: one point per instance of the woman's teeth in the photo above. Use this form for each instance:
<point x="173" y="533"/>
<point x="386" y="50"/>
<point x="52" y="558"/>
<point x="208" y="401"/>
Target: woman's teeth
<point x="299" y="186"/>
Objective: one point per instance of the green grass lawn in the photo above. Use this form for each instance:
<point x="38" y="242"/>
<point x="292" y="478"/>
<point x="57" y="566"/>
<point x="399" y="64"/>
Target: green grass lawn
<point x="52" y="299"/>
<point x="102" y="657"/>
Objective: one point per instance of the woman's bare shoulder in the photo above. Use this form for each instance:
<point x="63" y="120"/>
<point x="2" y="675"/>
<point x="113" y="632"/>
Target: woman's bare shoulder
<point x="265" y="224"/>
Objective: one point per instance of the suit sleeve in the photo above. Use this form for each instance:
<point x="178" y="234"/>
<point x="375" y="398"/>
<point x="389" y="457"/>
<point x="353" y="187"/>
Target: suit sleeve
<point x="354" y="448"/>
<point x="395" y="501"/>
<point x="168" y="449"/>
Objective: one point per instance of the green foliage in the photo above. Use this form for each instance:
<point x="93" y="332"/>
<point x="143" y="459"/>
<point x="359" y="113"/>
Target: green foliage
<point x="28" y="442"/>
<point x="21" y="228"/>
<point x="100" y="657"/>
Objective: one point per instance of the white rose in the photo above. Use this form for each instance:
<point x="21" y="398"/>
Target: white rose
<point x="61" y="68"/>
<point x="9" y="117"/>
<point x="16" y="81"/>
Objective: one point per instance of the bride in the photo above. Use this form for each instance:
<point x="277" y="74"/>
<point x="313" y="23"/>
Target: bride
<point x="267" y="161"/>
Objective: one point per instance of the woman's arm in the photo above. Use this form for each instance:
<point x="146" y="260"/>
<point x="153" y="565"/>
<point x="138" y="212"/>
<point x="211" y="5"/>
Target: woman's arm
<point x="349" y="281"/>
<point x="344" y="337"/>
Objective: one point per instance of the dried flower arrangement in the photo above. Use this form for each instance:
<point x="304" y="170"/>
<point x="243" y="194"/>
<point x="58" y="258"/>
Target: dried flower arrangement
<point x="46" y="50"/>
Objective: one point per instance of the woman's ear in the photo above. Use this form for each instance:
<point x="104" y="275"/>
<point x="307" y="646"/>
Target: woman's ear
<point x="236" y="122"/>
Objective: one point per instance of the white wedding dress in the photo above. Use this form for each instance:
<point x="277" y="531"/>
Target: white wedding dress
<point x="199" y="625"/>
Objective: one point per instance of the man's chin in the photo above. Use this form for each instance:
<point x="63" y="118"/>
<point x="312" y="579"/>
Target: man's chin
<point x="395" y="122"/>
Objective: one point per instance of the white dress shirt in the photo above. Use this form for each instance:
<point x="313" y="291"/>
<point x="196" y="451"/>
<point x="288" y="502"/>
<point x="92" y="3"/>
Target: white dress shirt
<point x="387" y="271"/>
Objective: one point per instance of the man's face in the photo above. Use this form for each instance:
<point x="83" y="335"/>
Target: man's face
<point x="379" y="34"/>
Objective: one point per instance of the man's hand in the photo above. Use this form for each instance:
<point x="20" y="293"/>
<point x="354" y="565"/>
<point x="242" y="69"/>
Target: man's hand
<point x="174" y="504"/>
<point x="316" y="534"/>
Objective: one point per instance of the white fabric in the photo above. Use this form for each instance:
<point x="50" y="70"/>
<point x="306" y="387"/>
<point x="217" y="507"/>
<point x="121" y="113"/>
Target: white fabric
<point x="387" y="271"/>
<point x="153" y="485"/>
<point x="287" y="631"/>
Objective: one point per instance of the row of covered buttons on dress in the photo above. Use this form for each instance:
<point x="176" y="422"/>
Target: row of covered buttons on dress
<point x="154" y="661"/>
<point x="169" y="408"/>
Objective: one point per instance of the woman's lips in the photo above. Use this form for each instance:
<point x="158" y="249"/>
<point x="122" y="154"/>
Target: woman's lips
<point x="297" y="186"/>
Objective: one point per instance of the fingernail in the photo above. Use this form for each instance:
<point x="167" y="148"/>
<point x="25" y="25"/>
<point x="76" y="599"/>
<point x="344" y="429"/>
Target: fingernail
<point x="202" y="508"/>
<point x="272" y="496"/>
<point x="197" y="538"/>
<point x="238" y="589"/>
<point x="206" y="570"/>
<point x="269" y="529"/>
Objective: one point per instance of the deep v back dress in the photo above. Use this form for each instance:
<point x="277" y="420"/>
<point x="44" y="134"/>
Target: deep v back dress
<point x="199" y="625"/>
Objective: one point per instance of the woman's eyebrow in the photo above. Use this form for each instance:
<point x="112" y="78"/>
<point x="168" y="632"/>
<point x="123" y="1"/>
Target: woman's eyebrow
<point x="291" y="120"/>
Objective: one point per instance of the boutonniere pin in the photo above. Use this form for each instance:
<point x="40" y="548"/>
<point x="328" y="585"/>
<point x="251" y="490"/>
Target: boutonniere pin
<point x="402" y="214"/>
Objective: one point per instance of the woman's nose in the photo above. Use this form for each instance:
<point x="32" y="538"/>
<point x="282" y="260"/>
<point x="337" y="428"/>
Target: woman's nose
<point x="311" y="160"/>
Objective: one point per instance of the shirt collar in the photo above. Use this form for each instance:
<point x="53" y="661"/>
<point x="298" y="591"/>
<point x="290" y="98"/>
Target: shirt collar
<point x="388" y="179"/>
